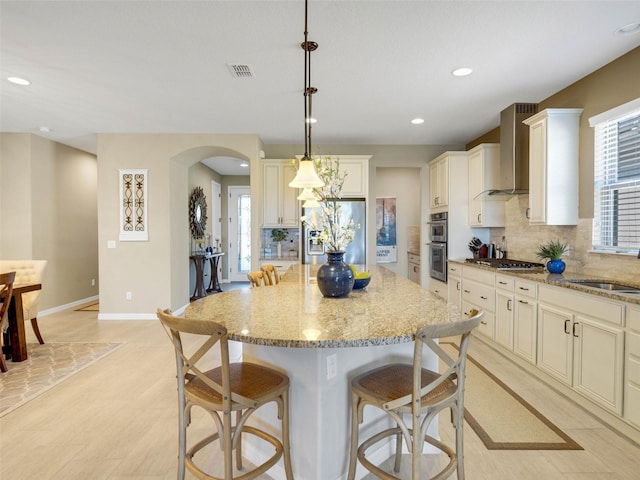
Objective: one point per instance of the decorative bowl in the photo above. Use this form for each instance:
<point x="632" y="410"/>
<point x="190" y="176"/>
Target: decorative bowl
<point x="360" y="283"/>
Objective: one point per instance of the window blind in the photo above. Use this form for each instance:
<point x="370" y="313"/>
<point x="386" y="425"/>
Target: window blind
<point x="616" y="223"/>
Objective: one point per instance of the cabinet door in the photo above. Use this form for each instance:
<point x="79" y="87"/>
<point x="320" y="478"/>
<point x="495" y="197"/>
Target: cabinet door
<point x="537" y="172"/>
<point x="289" y="211"/>
<point x="271" y="195"/>
<point x="443" y="183"/>
<point x="555" y="342"/>
<point x="476" y="182"/>
<point x="525" y="329"/>
<point x="504" y="318"/>
<point x="454" y="290"/>
<point x="434" y="185"/>
<point x="598" y="359"/>
<point x="487" y="322"/>
<point x="355" y="183"/>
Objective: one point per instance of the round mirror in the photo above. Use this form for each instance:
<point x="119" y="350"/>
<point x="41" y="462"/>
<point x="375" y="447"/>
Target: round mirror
<point x="198" y="213"/>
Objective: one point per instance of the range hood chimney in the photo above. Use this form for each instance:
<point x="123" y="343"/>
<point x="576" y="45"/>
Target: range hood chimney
<point x="514" y="149"/>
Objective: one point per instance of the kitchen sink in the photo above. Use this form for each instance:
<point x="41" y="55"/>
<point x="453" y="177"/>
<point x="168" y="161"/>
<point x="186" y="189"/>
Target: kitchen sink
<point x="606" y="285"/>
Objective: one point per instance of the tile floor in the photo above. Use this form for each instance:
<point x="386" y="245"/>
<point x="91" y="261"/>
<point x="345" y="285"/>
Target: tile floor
<point x="117" y="418"/>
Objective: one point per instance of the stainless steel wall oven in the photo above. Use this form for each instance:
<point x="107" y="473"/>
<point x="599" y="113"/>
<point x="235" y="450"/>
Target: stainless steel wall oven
<point x="438" y="246"/>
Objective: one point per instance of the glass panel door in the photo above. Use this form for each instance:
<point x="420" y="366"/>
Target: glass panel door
<point x="239" y="233"/>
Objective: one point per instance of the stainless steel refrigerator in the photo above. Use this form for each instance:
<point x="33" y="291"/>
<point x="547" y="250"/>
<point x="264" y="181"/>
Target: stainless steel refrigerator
<point x="355" y="253"/>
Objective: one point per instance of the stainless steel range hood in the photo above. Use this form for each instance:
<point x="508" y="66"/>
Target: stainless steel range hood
<point x="514" y="149"/>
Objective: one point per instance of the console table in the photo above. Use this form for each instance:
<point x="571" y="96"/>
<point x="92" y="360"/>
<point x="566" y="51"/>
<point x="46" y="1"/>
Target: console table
<point x="199" y="260"/>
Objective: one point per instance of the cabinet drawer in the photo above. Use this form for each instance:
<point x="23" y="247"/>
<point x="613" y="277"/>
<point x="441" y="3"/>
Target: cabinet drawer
<point x="414" y="259"/>
<point x="632" y="404"/>
<point x="505" y="282"/>
<point x="455" y="269"/>
<point x="438" y="288"/>
<point x="479" y="275"/>
<point x="526" y="288"/>
<point x="480" y="295"/>
<point x="633" y="319"/>
<point x="586" y="304"/>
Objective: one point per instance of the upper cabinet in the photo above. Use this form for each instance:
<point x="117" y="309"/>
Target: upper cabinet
<point x="439" y="183"/>
<point x="356" y="183"/>
<point x="280" y="201"/>
<point x="484" y="174"/>
<point x="553" y="166"/>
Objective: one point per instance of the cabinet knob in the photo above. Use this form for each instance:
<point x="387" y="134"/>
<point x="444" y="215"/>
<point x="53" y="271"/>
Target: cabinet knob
<point x="522" y="301"/>
<point x="479" y="216"/>
<point x="509" y="305"/>
<point x="483" y="298"/>
<point x="574" y="329"/>
<point x="566" y="326"/>
<point x="467" y="291"/>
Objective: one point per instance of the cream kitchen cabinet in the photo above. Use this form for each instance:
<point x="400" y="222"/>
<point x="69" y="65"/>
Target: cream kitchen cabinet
<point x="438" y="288"/>
<point x="632" y="377"/>
<point x="484" y="175"/>
<point x="280" y="203"/>
<point x="478" y="292"/>
<point x="525" y="322"/>
<point x="581" y="343"/>
<point x="356" y="183"/>
<point x="504" y="311"/>
<point x="439" y="181"/>
<point x="553" y="166"/>
<point x="454" y="284"/>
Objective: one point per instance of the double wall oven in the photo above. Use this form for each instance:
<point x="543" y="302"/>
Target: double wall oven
<point x="438" y="246"/>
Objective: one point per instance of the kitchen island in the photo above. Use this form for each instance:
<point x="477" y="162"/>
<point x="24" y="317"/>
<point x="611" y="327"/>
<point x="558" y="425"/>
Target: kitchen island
<point x="321" y="343"/>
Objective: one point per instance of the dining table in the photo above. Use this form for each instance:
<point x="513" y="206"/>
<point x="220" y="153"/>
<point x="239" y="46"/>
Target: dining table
<point x="17" y="347"/>
<point x="321" y="344"/>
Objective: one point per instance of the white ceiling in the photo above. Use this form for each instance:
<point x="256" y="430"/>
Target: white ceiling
<point x="162" y="66"/>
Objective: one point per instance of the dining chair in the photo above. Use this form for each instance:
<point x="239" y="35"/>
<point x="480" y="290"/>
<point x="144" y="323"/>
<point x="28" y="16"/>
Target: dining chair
<point x="28" y="271"/>
<point x="6" y="289"/>
<point x="256" y="278"/>
<point x="240" y="387"/>
<point x="270" y="274"/>
<point x="401" y="389"/>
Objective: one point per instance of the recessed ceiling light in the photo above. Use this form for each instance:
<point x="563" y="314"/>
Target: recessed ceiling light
<point x="462" y="72"/>
<point x="629" y="29"/>
<point x="19" y="81"/>
<point x="44" y="129"/>
<point x="417" y="121"/>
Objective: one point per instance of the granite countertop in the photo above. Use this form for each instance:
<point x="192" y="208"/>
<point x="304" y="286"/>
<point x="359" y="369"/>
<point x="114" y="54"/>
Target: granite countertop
<point x="562" y="281"/>
<point x="295" y="314"/>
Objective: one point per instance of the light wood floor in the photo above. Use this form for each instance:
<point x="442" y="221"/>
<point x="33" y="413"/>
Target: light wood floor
<point x="117" y="419"/>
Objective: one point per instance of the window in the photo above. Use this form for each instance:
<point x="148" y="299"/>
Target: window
<point x="616" y="222"/>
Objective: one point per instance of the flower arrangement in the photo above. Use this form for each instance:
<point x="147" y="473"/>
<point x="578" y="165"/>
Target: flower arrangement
<point x="335" y="232"/>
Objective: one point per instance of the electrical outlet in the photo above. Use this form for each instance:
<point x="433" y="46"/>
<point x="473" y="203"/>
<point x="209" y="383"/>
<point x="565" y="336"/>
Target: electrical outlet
<point x="332" y="366"/>
<point x="129" y="295"/>
<point x="93" y="282"/>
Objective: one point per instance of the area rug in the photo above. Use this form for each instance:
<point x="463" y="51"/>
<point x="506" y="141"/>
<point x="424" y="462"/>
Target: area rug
<point x="92" y="307"/>
<point x="501" y="418"/>
<point x="46" y="366"/>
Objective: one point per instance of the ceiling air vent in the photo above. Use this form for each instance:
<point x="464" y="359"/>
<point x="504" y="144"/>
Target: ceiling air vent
<point x="241" y="71"/>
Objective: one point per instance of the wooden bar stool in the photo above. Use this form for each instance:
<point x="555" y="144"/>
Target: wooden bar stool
<point x="240" y="387"/>
<point x="420" y="394"/>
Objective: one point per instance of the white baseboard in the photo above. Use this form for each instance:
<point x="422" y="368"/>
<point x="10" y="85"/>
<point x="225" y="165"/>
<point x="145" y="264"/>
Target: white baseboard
<point x="60" y="308"/>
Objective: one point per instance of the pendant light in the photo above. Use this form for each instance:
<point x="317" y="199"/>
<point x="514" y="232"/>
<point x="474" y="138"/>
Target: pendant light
<point x="307" y="194"/>
<point x="307" y="177"/>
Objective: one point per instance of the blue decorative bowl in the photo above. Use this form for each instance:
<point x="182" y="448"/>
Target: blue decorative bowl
<point x="360" y="283"/>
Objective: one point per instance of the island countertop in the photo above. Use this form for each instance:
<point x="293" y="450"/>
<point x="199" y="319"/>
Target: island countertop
<point x="295" y="314"/>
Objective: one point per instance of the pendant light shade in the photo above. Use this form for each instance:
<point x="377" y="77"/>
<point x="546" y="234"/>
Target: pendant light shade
<point x="311" y="204"/>
<point x="307" y="194"/>
<point x="307" y="176"/>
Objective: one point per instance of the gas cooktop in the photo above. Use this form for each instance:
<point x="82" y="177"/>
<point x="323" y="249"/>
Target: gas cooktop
<point x="507" y="264"/>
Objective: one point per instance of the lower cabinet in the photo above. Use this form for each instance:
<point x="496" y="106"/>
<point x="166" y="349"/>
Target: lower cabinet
<point x="504" y="311"/>
<point x="632" y="378"/>
<point x="438" y="288"/>
<point x="525" y="328"/>
<point x="478" y="292"/>
<point x="582" y="351"/>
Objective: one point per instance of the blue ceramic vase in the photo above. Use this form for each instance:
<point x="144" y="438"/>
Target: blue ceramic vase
<point x="335" y="278"/>
<point x="556" y="265"/>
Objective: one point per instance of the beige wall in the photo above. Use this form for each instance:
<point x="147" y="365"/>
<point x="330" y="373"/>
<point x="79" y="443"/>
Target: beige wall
<point x="156" y="272"/>
<point x="49" y="211"/>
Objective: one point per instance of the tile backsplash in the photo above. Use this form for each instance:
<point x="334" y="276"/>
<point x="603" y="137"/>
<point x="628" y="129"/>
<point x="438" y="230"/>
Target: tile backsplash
<point x="523" y="240"/>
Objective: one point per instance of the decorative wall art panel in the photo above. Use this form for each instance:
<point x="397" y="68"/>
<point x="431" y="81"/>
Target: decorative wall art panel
<point x="134" y="225"/>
